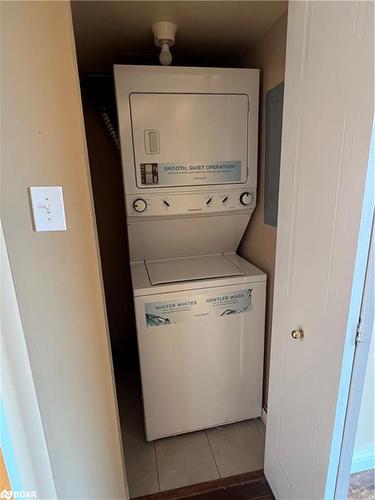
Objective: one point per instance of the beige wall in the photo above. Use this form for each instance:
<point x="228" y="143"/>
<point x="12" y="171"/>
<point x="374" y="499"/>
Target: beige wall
<point x="57" y="275"/>
<point x="259" y="241"/>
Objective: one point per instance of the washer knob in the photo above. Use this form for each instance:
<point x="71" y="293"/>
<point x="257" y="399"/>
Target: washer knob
<point x="246" y="198"/>
<point x="139" y="205"/>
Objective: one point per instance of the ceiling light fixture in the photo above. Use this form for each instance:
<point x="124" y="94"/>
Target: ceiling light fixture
<point x="164" y="36"/>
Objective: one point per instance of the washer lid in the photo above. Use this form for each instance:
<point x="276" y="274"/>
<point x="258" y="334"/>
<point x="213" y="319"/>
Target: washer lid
<point x="191" y="269"/>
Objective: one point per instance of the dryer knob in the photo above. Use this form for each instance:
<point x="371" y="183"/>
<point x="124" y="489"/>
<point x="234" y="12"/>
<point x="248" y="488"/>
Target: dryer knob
<point x="246" y="198"/>
<point x="139" y="205"/>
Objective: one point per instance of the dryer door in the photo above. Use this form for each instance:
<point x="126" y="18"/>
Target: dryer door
<point x="210" y="147"/>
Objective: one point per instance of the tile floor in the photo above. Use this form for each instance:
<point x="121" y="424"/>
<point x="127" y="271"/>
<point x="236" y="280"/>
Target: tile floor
<point x="186" y="459"/>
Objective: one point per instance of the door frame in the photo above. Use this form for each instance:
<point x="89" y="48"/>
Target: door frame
<point x="364" y="331"/>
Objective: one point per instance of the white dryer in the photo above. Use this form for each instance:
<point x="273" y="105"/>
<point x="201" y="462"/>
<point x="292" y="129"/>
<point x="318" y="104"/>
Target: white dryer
<point x="189" y="154"/>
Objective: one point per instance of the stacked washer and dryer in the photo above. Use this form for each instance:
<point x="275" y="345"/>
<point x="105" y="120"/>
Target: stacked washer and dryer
<point x="189" y="154"/>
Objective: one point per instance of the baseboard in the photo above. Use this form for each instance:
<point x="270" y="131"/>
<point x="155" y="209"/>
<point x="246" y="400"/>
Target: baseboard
<point x="263" y="416"/>
<point x="363" y="460"/>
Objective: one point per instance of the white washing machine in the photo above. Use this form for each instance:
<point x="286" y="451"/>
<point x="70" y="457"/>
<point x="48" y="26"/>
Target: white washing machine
<point x="189" y="154"/>
<point x="200" y="327"/>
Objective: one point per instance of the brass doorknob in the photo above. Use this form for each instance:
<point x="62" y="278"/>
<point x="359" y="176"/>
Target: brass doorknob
<point x="298" y="334"/>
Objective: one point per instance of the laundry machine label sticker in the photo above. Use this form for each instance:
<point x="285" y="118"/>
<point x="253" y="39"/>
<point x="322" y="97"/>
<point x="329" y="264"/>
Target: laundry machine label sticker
<point x="175" y="174"/>
<point x="185" y="309"/>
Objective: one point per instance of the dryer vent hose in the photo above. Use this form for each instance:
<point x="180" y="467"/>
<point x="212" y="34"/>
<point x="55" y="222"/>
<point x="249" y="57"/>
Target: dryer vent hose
<point x="110" y="128"/>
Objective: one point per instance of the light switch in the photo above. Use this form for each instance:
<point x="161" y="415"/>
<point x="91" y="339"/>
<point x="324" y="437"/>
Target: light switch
<point x="48" y="208"/>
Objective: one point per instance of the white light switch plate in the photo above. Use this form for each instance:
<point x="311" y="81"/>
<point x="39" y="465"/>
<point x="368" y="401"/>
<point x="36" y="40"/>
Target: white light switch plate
<point x="48" y="208"/>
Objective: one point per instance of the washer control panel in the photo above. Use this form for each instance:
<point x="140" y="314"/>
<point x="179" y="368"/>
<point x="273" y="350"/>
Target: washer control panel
<point x="191" y="203"/>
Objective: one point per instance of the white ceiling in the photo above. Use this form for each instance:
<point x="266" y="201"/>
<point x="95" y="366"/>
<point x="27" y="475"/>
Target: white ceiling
<point x="209" y="32"/>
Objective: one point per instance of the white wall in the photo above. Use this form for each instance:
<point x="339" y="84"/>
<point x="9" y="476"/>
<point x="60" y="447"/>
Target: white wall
<point x="57" y="275"/>
<point x="364" y="448"/>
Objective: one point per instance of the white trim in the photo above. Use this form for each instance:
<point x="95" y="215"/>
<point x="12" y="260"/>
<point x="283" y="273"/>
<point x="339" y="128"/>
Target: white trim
<point x="363" y="460"/>
<point x="356" y="355"/>
<point x="263" y="416"/>
<point x="26" y="454"/>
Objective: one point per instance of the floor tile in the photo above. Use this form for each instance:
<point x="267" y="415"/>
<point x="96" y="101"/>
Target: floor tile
<point x="237" y="448"/>
<point x="185" y="460"/>
<point x="260" y="426"/>
<point x="140" y="464"/>
<point x="140" y="459"/>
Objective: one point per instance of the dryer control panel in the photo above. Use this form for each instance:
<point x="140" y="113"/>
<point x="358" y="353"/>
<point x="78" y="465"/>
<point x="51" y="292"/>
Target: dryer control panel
<point x="169" y="204"/>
